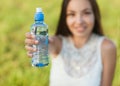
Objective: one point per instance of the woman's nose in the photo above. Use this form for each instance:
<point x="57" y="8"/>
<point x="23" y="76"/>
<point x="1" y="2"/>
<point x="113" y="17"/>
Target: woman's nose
<point x="79" y="19"/>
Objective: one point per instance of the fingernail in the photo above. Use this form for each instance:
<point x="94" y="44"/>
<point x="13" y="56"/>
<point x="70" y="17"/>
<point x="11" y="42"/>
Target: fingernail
<point x="36" y="41"/>
<point x="34" y="49"/>
<point x="33" y="36"/>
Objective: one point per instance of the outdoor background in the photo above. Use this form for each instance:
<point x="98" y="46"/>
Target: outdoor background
<point x="16" y="16"/>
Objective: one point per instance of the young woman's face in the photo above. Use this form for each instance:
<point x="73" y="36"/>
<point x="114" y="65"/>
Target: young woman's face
<point x="80" y="17"/>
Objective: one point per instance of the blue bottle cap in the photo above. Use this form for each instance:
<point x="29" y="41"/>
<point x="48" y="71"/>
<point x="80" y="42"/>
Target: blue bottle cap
<point x="39" y="16"/>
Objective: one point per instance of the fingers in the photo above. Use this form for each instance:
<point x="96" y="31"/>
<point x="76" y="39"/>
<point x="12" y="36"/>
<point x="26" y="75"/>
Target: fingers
<point x="30" y="48"/>
<point x="30" y="39"/>
<point x="29" y="54"/>
<point x="29" y="36"/>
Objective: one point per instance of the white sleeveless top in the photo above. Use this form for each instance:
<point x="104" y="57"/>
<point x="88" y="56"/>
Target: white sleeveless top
<point x="78" y="67"/>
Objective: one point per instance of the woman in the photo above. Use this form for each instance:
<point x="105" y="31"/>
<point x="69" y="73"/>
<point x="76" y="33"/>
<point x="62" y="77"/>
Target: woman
<point x="84" y="57"/>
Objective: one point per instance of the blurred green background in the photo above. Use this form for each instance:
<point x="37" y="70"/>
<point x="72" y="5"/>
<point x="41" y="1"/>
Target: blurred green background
<point x="16" y="16"/>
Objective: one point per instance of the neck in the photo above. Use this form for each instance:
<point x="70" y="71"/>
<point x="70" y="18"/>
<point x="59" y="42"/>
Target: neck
<point x="80" y="41"/>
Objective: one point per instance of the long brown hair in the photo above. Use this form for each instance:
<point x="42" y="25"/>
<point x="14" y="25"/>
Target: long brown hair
<point x="62" y="28"/>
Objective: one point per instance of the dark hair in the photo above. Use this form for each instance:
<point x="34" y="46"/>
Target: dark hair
<point x="62" y="28"/>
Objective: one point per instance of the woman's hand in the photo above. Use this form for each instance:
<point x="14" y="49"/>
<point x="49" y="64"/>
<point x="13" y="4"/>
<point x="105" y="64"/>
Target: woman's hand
<point x="54" y="44"/>
<point x="29" y="41"/>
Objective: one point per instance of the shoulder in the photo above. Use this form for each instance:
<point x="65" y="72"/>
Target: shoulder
<point x="108" y="45"/>
<point x="108" y="50"/>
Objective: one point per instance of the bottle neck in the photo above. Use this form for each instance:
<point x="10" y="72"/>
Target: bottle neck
<point x="36" y="21"/>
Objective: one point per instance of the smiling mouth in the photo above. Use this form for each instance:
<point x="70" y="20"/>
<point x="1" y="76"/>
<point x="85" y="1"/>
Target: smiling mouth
<point x="80" y="29"/>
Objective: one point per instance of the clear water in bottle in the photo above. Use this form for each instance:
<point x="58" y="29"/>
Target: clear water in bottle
<point x="40" y="30"/>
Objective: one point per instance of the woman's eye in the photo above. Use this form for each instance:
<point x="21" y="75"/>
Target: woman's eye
<point x="71" y="14"/>
<point x="87" y="13"/>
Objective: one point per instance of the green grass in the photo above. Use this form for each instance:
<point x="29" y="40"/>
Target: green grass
<point x="15" y="20"/>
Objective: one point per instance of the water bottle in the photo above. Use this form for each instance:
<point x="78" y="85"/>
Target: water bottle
<point x="40" y="30"/>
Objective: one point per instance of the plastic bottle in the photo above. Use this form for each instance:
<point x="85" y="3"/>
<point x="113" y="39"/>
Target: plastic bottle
<point x="40" y="30"/>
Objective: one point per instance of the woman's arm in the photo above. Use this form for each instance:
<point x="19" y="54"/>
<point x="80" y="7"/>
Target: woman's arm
<point x="54" y="44"/>
<point x="109" y="62"/>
